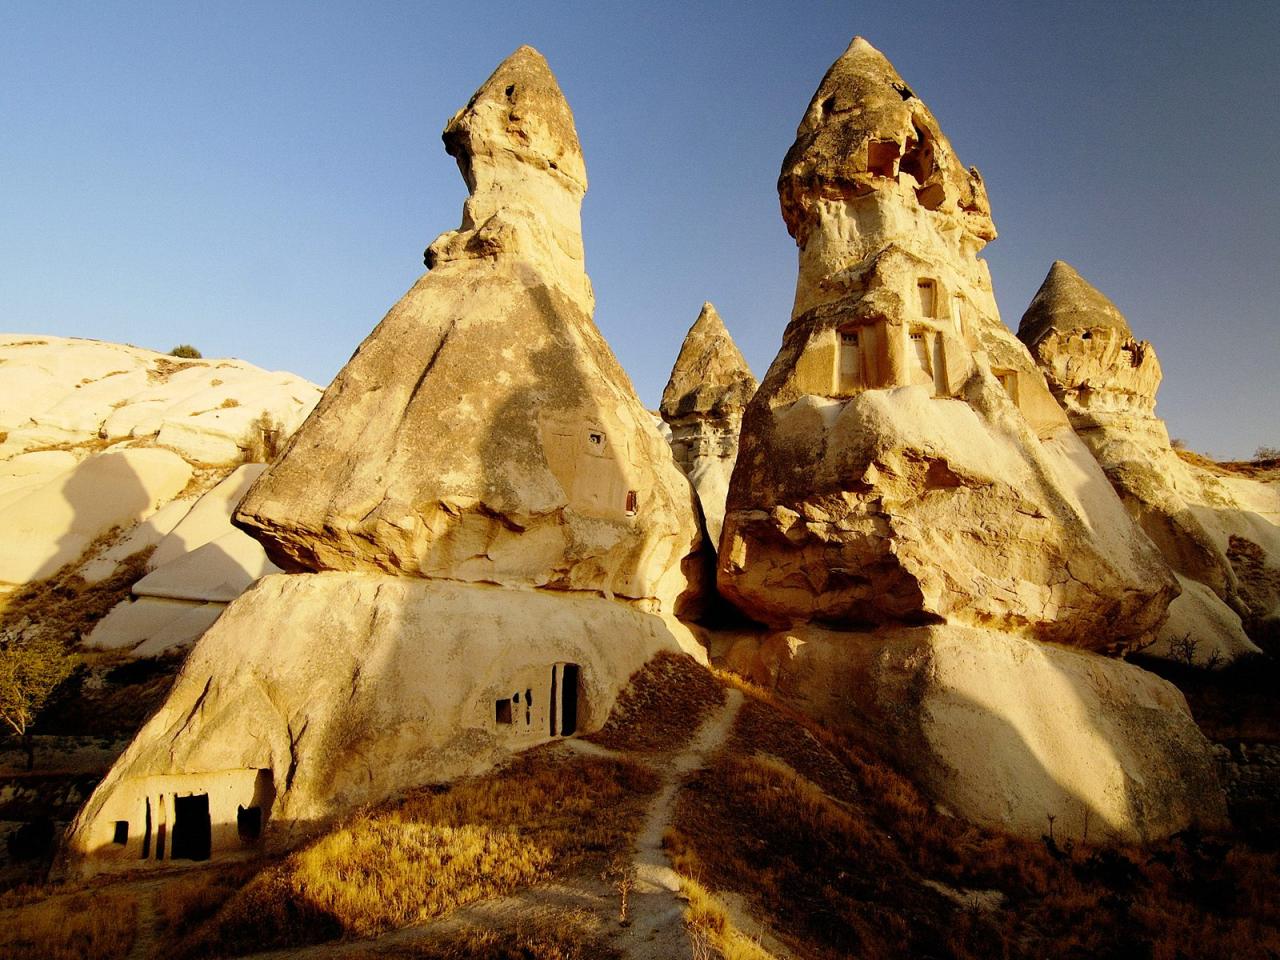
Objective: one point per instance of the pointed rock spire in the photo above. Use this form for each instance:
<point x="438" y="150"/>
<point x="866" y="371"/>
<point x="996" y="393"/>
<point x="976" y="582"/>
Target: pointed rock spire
<point x="484" y="431"/>
<point x="893" y="464"/>
<point x="703" y="403"/>
<point x="518" y="151"/>
<point x="1067" y="302"/>
<point x="866" y="130"/>
<point x="710" y="375"/>
<point x="1084" y="348"/>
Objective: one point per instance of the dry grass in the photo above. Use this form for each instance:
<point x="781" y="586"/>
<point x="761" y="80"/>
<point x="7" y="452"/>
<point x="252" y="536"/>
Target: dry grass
<point x="834" y="846"/>
<point x="1254" y="469"/>
<point x="425" y="856"/>
<point x="79" y="927"/>
<point x="64" y="606"/>
<point x="711" y="931"/>
<point x="569" y="936"/>
<point x="662" y="706"/>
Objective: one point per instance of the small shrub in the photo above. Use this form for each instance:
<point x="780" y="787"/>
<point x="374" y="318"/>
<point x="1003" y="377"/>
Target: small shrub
<point x="265" y="439"/>
<point x="186" y="352"/>
<point x="1267" y="453"/>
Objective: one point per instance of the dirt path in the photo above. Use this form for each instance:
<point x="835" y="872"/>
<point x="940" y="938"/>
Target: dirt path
<point x="657" y="925"/>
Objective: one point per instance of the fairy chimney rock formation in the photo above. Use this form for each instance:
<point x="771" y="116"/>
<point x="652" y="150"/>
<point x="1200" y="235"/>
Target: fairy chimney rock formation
<point x="1094" y="365"/>
<point x="484" y="431"/>
<point x="903" y="460"/>
<point x="1106" y="380"/>
<point x="710" y="387"/>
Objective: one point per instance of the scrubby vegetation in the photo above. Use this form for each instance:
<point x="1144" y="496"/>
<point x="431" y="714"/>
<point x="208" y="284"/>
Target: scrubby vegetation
<point x="567" y="936"/>
<point x="265" y="439"/>
<point x="427" y="855"/>
<point x="847" y="858"/>
<point x="100" y="926"/>
<point x="186" y="352"/>
<point x="662" y="707"/>
<point x="41" y="624"/>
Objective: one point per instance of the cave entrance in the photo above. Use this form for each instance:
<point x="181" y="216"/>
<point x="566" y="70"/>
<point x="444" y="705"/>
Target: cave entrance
<point x="192" y="831"/>
<point x="563" y="715"/>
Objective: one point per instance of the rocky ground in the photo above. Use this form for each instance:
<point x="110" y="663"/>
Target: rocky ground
<point x="741" y="831"/>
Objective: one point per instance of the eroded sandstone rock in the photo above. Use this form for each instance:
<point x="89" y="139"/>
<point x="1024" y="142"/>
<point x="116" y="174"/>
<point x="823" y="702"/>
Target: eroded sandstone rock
<point x="1106" y="380"/>
<point x="709" y="388"/>
<point x="484" y="431"/>
<point x="903" y="459"/>
<point x="315" y="694"/>
<point x="71" y="393"/>
<point x="1006" y="731"/>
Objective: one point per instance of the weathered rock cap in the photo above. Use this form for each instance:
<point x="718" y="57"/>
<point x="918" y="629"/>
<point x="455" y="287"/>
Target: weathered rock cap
<point x="864" y="129"/>
<point x="520" y="112"/>
<point x="710" y="376"/>
<point x="1067" y="302"/>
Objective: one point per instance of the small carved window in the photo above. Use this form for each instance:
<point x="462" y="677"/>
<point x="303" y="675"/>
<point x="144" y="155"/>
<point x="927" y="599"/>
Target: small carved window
<point x="502" y="711"/>
<point x="595" y="439"/>
<point x="633" y="503"/>
<point x="917" y="335"/>
<point x="850" y="339"/>
<point x="928" y="293"/>
<point x="121" y="835"/>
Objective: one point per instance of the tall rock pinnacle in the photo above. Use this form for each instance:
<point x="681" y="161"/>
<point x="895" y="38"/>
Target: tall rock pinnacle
<point x="484" y="431"/>
<point x="903" y="459"/>
<point x="1106" y="380"/>
<point x="709" y="388"/>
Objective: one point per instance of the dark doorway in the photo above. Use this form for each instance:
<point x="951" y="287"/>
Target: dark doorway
<point x="249" y="823"/>
<point x="191" y="828"/>
<point x="569" y="700"/>
<point x="146" y="832"/>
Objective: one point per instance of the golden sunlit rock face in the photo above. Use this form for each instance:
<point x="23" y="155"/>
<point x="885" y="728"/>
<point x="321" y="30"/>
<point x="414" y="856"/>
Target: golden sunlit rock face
<point x="919" y="524"/>
<point x="903" y="459"/>
<point x="1209" y="527"/>
<point x="484" y="431"/>
<point x="914" y="516"/>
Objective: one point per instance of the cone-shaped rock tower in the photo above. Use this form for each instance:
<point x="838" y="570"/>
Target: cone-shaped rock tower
<point x="903" y="460"/>
<point x="709" y="388"/>
<point x="484" y="431"/>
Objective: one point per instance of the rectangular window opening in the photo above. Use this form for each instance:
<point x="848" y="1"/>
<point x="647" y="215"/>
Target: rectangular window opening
<point x="927" y="290"/>
<point x="502" y="712"/>
<point x="121" y="835"/>
<point x="633" y="503"/>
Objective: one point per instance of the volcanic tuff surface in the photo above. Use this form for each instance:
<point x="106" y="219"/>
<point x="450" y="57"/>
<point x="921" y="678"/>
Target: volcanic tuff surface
<point x="484" y="431"/>
<point x="913" y="513"/>
<point x="903" y="460"/>
<point x="709" y="388"/>
<point x="1213" y="530"/>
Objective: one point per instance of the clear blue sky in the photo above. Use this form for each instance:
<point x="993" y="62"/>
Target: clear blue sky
<point x="260" y="179"/>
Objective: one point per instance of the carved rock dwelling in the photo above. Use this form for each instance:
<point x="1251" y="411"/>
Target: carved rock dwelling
<point x="487" y="535"/>
<point x="483" y="533"/>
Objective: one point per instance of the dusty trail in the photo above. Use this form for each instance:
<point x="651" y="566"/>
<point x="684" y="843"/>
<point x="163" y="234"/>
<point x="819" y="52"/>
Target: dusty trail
<point x="657" y="925"/>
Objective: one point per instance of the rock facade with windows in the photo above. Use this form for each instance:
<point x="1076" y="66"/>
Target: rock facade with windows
<point x="488" y="537"/>
<point x="1217" y="531"/>
<point x="912" y="516"/>
<point x="903" y="459"/>
<point x="709" y="388"/>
